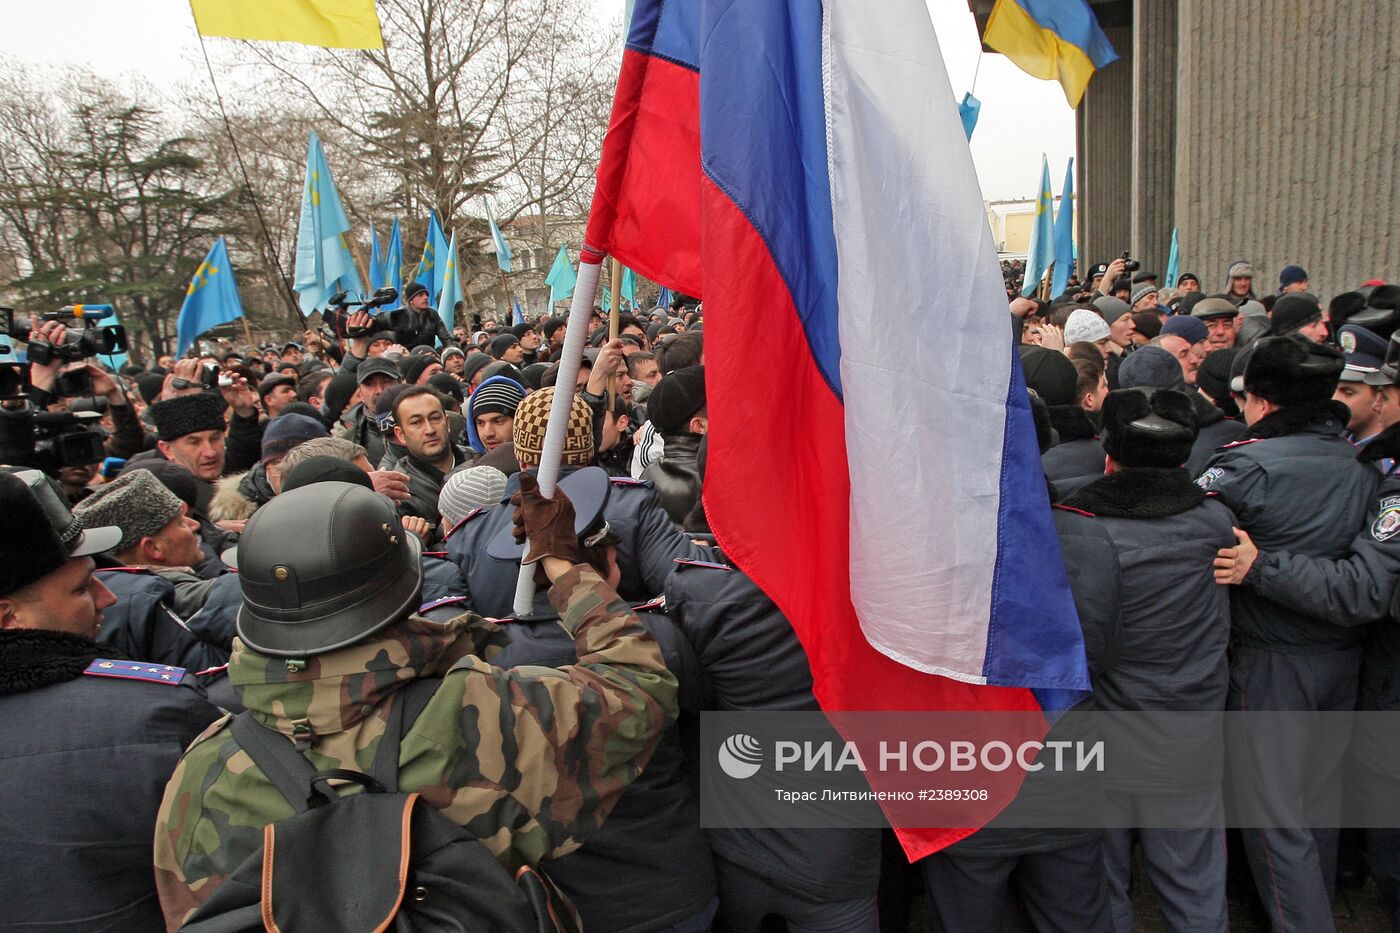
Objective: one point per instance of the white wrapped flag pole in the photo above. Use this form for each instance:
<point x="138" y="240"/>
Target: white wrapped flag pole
<point x="575" y="335"/>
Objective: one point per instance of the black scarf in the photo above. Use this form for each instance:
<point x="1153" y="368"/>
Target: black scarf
<point x="1295" y="418"/>
<point x="34" y="658"/>
<point x="1139" y="492"/>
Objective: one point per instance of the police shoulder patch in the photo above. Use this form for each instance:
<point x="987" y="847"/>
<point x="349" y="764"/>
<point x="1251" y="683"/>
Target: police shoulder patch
<point x="1210" y="477"/>
<point x="136" y="670"/>
<point x="1387" y="523"/>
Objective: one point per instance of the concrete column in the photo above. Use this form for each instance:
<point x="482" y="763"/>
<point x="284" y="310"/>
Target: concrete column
<point x="1154" y="131"/>
<point x="1287" y="142"/>
<point x="1105" y="135"/>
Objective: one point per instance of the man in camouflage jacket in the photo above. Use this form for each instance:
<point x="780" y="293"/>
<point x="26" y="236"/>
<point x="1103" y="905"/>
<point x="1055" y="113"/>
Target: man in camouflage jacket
<point x="529" y="759"/>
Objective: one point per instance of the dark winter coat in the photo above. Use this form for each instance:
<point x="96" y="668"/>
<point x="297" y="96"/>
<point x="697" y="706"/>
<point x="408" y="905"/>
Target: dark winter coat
<point x="649" y="865"/>
<point x="676" y="476"/>
<point x="1091" y="562"/>
<point x="1078" y="457"/>
<point x="1175" y="619"/>
<point x="85" y="760"/>
<point x="750" y="659"/>
<point x="423" y="329"/>
<point x="142" y="623"/>
<point x="1293" y="482"/>
<point x="1215" y="432"/>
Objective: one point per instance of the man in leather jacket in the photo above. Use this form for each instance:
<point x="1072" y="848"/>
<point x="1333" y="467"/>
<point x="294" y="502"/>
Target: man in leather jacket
<point x="677" y="409"/>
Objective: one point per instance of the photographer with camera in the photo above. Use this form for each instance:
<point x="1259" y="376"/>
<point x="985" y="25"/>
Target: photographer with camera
<point x="36" y="427"/>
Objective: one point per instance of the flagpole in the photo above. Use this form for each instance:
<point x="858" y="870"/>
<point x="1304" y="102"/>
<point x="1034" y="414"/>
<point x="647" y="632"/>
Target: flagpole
<point x="247" y="332"/>
<point x="505" y="291"/>
<point x="614" y="314"/>
<point x="552" y="454"/>
<point x="288" y="291"/>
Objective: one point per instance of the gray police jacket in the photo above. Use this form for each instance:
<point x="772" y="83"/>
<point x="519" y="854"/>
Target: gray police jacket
<point x="648" y="542"/>
<point x="142" y="623"/>
<point x="1175" y="619"/>
<point x="1358" y="589"/>
<point x="1295" y="485"/>
<point x="1091" y="563"/>
<point x="85" y="759"/>
<point x="750" y="659"/>
<point x="1215" y="432"/>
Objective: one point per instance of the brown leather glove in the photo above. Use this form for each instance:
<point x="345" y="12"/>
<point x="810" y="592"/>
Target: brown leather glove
<point x="547" y="523"/>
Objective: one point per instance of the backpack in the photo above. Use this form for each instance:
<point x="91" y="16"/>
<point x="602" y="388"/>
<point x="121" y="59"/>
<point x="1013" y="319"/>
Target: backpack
<point x="378" y="860"/>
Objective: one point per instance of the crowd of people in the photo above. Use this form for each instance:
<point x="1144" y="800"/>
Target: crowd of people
<point x="283" y="540"/>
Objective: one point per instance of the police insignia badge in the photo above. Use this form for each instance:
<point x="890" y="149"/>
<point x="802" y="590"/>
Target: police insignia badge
<point x="1387" y="524"/>
<point x="1348" y="341"/>
<point x="136" y="670"/>
<point x="1209" y="477"/>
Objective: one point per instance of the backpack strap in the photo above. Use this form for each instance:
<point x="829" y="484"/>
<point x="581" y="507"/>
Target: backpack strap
<point x="272" y="752"/>
<point x="412" y="698"/>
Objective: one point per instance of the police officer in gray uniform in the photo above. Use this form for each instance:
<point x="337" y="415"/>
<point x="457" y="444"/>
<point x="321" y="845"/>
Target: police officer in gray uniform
<point x="1283" y="657"/>
<point x="86" y="740"/>
<point x="1359" y="589"/>
<point x="1175" y="627"/>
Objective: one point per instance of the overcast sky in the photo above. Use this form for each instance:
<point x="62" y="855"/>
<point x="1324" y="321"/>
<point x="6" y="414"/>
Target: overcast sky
<point x="155" y="40"/>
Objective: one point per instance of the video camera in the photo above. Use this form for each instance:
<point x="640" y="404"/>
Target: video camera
<point x="210" y="377"/>
<point x="51" y="440"/>
<point x="390" y="320"/>
<point x="78" y="342"/>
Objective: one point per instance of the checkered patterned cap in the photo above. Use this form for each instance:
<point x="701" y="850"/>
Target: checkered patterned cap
<point x="531" y="419"/>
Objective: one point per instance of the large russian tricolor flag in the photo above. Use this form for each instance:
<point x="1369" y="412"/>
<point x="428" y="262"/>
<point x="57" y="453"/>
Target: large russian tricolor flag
<point x="801" y="165"/>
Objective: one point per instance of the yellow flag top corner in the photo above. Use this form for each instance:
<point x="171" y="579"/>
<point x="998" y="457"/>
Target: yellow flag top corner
<point x="336" y="24"/>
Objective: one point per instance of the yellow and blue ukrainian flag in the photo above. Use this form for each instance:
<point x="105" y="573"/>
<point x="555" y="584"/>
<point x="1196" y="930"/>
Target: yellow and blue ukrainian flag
<point x="1051" y="39"/>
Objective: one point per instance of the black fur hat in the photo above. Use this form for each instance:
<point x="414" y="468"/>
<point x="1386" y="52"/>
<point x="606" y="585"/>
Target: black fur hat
<point x="186" y="414"/>
<point x="1148" y="428"/>
<point x="31" y="549"/>
<point x="1292" y="371"/>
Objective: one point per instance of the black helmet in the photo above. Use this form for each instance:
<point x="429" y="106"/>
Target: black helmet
<point x="322" y="567"/>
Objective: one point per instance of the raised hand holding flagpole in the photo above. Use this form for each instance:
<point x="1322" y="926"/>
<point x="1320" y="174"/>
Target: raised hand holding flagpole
<point x="575" y="335"/>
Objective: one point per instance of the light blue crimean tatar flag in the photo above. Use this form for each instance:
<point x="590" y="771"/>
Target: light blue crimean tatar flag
<point x="628" y="291"/>
<point x="502" y="247"/>
<point x="1173" y="262"/>
<point x="324" y="265"/>
<point x="1064" y="234"/>
<point x="432" y="268"/>
<point x="561" y="277"/>
<point x="210" y="300"/>
<point x="1042" y="248"/>
<point x="451" y="286"/>
<point x="392" y="266"/>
